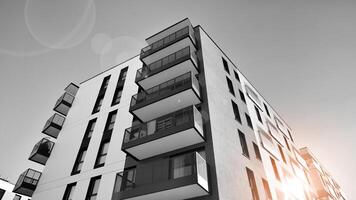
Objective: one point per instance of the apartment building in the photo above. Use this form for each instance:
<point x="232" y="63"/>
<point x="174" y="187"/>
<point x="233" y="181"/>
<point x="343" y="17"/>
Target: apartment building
<point x="6" y="193"/>
<point x="178" y="121"/>
<point x="324" y="184"/>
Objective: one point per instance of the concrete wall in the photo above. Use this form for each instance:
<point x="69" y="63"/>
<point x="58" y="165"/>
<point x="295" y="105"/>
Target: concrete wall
<point x="9" y="195"/>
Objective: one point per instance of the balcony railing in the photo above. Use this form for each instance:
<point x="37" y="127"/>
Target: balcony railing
<point x="64" y="103"/>
<point x="41" y="151"/>
<point x="188" y="171"/>
<point x="166" y="41"/>
<point x="166" y="62"/>
<point x="27" y="182"/>
<point x="53" y="125"/>
<point x="163" y="88"/>
<point x="72" y="89"/>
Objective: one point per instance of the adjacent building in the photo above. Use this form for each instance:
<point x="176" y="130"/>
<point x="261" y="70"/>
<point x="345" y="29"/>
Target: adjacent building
<point x="178" y="121"/>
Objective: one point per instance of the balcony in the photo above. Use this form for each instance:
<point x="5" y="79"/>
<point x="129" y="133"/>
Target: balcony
<point x="27" y="182"/>
<point x="180" y="62"/>
<point x="169" y="44"/>
<point x="72" y="89"/>
<point x="53" y="125"/>
<point x="181" y="177"/>
<point x="165" y="98"/>
<point x="176" y="130"/>
<point x="64" y="103"/>
<point x="41" y="151"/>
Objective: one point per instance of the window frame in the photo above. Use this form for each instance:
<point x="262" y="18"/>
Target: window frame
<point x="243" y="144"/>
<point x="236" y="111"/>
<point x="226" y="65"/>
<point x="252" y="183"/>
<point x="257" y="151"/>
<point x="230" y="86"/>
<point x="70" y="188"/>
<point x="91" y="187"/>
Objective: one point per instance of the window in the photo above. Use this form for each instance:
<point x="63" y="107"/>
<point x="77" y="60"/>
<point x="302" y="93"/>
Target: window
<point x="248" y="120"/>
<point x="266" y="108"/>
<point x="110" y="122"/>
<point x="2" y="192"/>
<point x="103" y="151"/>
<point x="290" y="135"/>
<point x="242" y="96"/>
<point x="243" y="144"/>
<point x="282" y="154"/>
<point x="267" y="190"/>
<point x="119" y="86"/>
<point x="252" y="182"/>
<point x="16" y="197"/>
<point x="92" y="192"/>
<point x="286" y="141"/>
<point x="181" y="166"/>
<point x="257" y="151"/>
<point x="79" y="161"/>
<point x="68" y="194"/>
<point x="226" y="66"/>
<point x="230" y="86"/>
<point x="235" y="108"/>
<point x="275" y="170"/>
<point x="128" y="179"/>
<point x="100" y="98"/>
<point x="90" y="129"/>
<point x="237" y="76"/>
<point x="258" y="114"/>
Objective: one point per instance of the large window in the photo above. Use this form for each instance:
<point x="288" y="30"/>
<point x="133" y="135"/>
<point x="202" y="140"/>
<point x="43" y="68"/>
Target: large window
<point x="237" y="76"/>
<point x="258" y="114"/>
<point x="257" y="151"/>
<point x="90" y="129"/>
<point x="119" y="86"/>
<point x="110" y="122"/>
<point x="103" y="151"/>
<point x="243" y="144"/>
<point x="242" y="96"/>
<point x="100" y="98"/>
<point x="92" y="192"/>
<point x="230" y="86"/>
<point x="128" y="179"/>
<point x="235" y="108"/>
<point x="248" y="120"/>
<point x="79" y="161"/>
<point x="16" y="197"/>
<point x="252" y="182"/>
<point x="226" y="66"/>
<point x="2" y="192"/>
<point x="275" y="170"/>
<point x="181" y="165"/>
<point x="68" y="194"/>
<point x="267" y="189"/>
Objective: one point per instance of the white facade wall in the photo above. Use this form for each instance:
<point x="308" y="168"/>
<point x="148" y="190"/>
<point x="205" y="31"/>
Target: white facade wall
<point x="9" y="195"/>
<point x="56" y="174"/>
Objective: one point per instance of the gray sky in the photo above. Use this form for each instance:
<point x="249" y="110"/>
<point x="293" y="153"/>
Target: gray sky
<point x="299" y="54"/>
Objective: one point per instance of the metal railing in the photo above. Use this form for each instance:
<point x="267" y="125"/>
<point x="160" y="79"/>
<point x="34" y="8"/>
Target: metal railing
<point x="66" y="97"/>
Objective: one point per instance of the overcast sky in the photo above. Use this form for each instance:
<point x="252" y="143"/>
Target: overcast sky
<point x="301" y="55"/>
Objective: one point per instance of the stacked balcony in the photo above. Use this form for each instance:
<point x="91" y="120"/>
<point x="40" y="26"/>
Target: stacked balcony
<point x="175" y="181"/>
<point x="53" y="125"/>
<point x="64" y="103"/>
<point x="27" y="182"/>
<point x="166" y="97"/>
<point x="41" y="151"/>
<point x="72" y="89"/>
<point x="170" y="132"/>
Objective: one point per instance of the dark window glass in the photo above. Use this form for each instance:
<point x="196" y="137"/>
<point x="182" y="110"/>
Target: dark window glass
<point x="266" y="108"/>
<point x="226" y="66"/>
<point x="16" y="197"/>
<point x="230" y="86"/>
<point x="119" y="86"/>
<point x="90" y="128"/>
<point x="243" y="144"/>
<point x="237" y="77"/>
<point x="100" y="98"/>
<point x="248" y="120"/>
<point x="257" y="151"/>
<point x="181" y="166"/>
<point x="2" y="192"/>
<point x="79" y="161"/>
<point x="275" y="170"/>
<point x="286" y="141"/>
<point x="103" y="151"/>
<point x="110" y="122"/>
<point x="93" y="188"/>
<point x="282" y="154"/>
<point x="252" y="182"/>
<point x="258" y="114"/>
<point x="68" y="194"/>
<point x="235" y="108"/>
<point x="267" y="189"/>
<point x="242" y="96"/>
<point x="128" y="179"/>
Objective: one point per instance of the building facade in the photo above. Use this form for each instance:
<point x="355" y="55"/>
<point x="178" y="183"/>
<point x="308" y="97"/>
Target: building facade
<point x="178" y="121"/>
<point x="6" y="191"/>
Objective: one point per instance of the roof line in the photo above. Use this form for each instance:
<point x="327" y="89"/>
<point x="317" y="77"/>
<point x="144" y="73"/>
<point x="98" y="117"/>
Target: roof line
<point x="243" y="75"/>
<point x="166" y="28"/>
<point x="109" y="69"/>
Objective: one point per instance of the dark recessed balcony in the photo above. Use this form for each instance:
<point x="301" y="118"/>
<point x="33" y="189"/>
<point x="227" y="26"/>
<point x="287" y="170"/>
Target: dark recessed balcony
<point x="176" y="130"/>
<point x="27" y="182"/>
<point x="64" y="103"/>
<point x="72" y="89"/>
<point x="53" y="125"/>
<point x="180" y="177"/>
<point x="41" y="151"/>
<point x="180" y="62"/>
<point x="168" y="45"/>
<point x="166" y="97"/>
